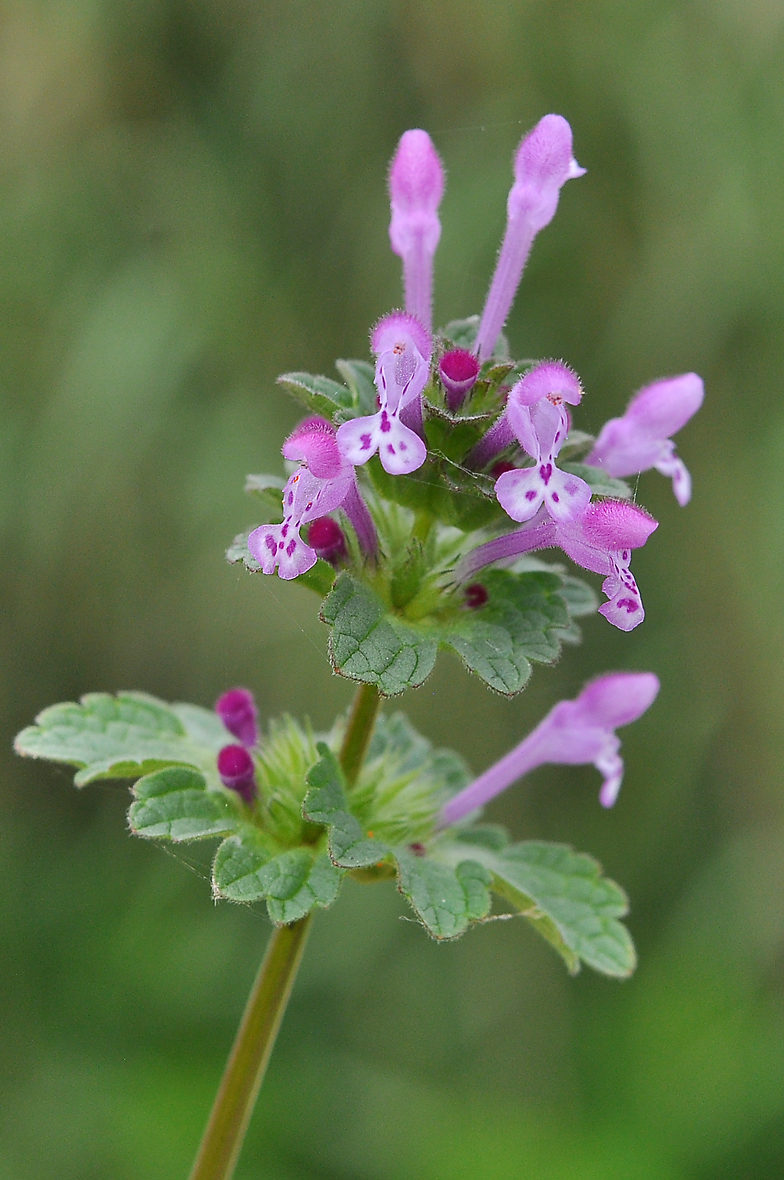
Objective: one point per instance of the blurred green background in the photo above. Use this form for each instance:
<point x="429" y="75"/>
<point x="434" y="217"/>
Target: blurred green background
<point x="193" y="198"/>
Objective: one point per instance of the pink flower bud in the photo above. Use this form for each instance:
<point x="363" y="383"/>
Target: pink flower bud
<point x="236" y="770"/>
<point x="543" y="164"/>
<point x="416" y="185"/>
<point x="458" y="370"/>
<point x="326" y="536"/>
<point x="237" y="710"/>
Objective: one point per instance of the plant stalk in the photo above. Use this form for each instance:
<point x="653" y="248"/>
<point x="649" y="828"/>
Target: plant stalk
<point x="250" y="1054"/>
<point x="253" y="1044"/>
<point x="359" y="731"/>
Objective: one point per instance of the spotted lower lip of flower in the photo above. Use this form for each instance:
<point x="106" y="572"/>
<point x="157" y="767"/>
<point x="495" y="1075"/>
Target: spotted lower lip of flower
<point x="237" y="710"/>
<point x="536" y="412"/>
<point x="640" y="439"/>
<point x="543" y="163"/>
<point x="416" y="185"/>
<point x="601" y="540"/>
<point x="574" y="733"/>
<point x="402" y="371"/>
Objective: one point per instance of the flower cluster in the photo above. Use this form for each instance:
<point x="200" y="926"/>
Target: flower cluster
<point x="523" y="430"/>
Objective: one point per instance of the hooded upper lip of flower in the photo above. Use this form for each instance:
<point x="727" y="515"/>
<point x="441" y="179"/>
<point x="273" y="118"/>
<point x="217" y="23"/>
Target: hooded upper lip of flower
<point x="403" y="348"/>
<point x="573" y="732"/>
<point x="640" y="439"/>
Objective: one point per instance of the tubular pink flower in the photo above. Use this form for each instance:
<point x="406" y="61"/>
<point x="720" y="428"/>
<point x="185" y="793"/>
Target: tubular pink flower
<point x="601" y="540"/>
<point x="403" y="347"/>
<point x="543" y="164"/>
<point x="416" y="185"/>
<point x="535" y="411"/>
<point x="574" y="733"/>
<point x="641" y="438"/>
<point x="237" y="710"/>
<point x="324" y="481"/>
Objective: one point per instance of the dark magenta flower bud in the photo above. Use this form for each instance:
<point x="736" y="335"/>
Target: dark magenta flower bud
<point x="459" y="370"/>
<point x="326" y="537"/>
<point x="475" y="596"/>
<point x="237" y="710"/>
<point x="236" y="770"/>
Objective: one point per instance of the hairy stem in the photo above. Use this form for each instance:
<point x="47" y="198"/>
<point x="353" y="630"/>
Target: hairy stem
<point x="250" y="1054"/>
<point x="359" y="731"/>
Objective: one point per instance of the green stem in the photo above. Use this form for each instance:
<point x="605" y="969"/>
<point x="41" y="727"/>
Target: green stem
<point x="250" y="1054"/>
<point x="359" y="731"/>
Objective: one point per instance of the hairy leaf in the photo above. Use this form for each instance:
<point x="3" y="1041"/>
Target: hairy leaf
<point x="369" y="645"/>
<point x="291" y="882"/>
<point x="319" y="395"/>
<point x="325" y="803"/>
<point x="174" y="804"/>
<point x="123" y="736"/>
<point x="445" y="899"/>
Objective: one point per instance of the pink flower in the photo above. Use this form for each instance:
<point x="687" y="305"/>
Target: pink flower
<point x="543" y="164"/>
<point x="416" y="185"/>
<point x="324" y="481"/>
<point x="574" y="733"/>
<point x="601" y="540"/>
<point x="535" y="410"/>
<point x="641" y="438"/>
<point x="403" y="348"/>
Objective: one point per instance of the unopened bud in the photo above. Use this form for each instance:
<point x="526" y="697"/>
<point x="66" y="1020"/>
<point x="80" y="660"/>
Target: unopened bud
<point x="237" y="710"/>
<point x="236" y="770"/>
<point x="326" y="537"/>
<point x="458" y="370"/>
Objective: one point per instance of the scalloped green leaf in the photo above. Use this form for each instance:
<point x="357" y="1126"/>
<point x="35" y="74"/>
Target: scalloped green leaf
<point x="600" y="483"/>
<point x="123" y="736"/>
<point x="267" y="491"/>
<point x="566" y="890"/>
<point x="521" y="621"/>
<point x="446" y="899"/>
<point x="370" y="645"/>
<point x="174" y="804"/>
<point x="320" y="395"/>
<point x="246" y="869"/>
<point x="325" y="803"/>
<point x="359" y="376"/>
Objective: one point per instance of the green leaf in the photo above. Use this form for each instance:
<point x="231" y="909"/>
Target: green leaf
<point x="359" y="376"/>
<point x="325" y="803"/>
<point x="370" y="645"/>
<point x="441" y="488"/>
<point x="291" y="882"/>
<point x="267" y="490"/>
<point x="125" y="736"/>
<point x="174" y="804"/>
<point x="568" y="897"/>
<point x="238" y="552"/>
<point x="580" y="598"/>
<point x="599" y="481"/>
<point x="445" y="899"/>
<point x="520" y="622"/>
<point x="320" y="395"/>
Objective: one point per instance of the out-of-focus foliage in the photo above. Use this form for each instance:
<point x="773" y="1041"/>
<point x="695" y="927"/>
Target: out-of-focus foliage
<point x="193" y="202"/>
